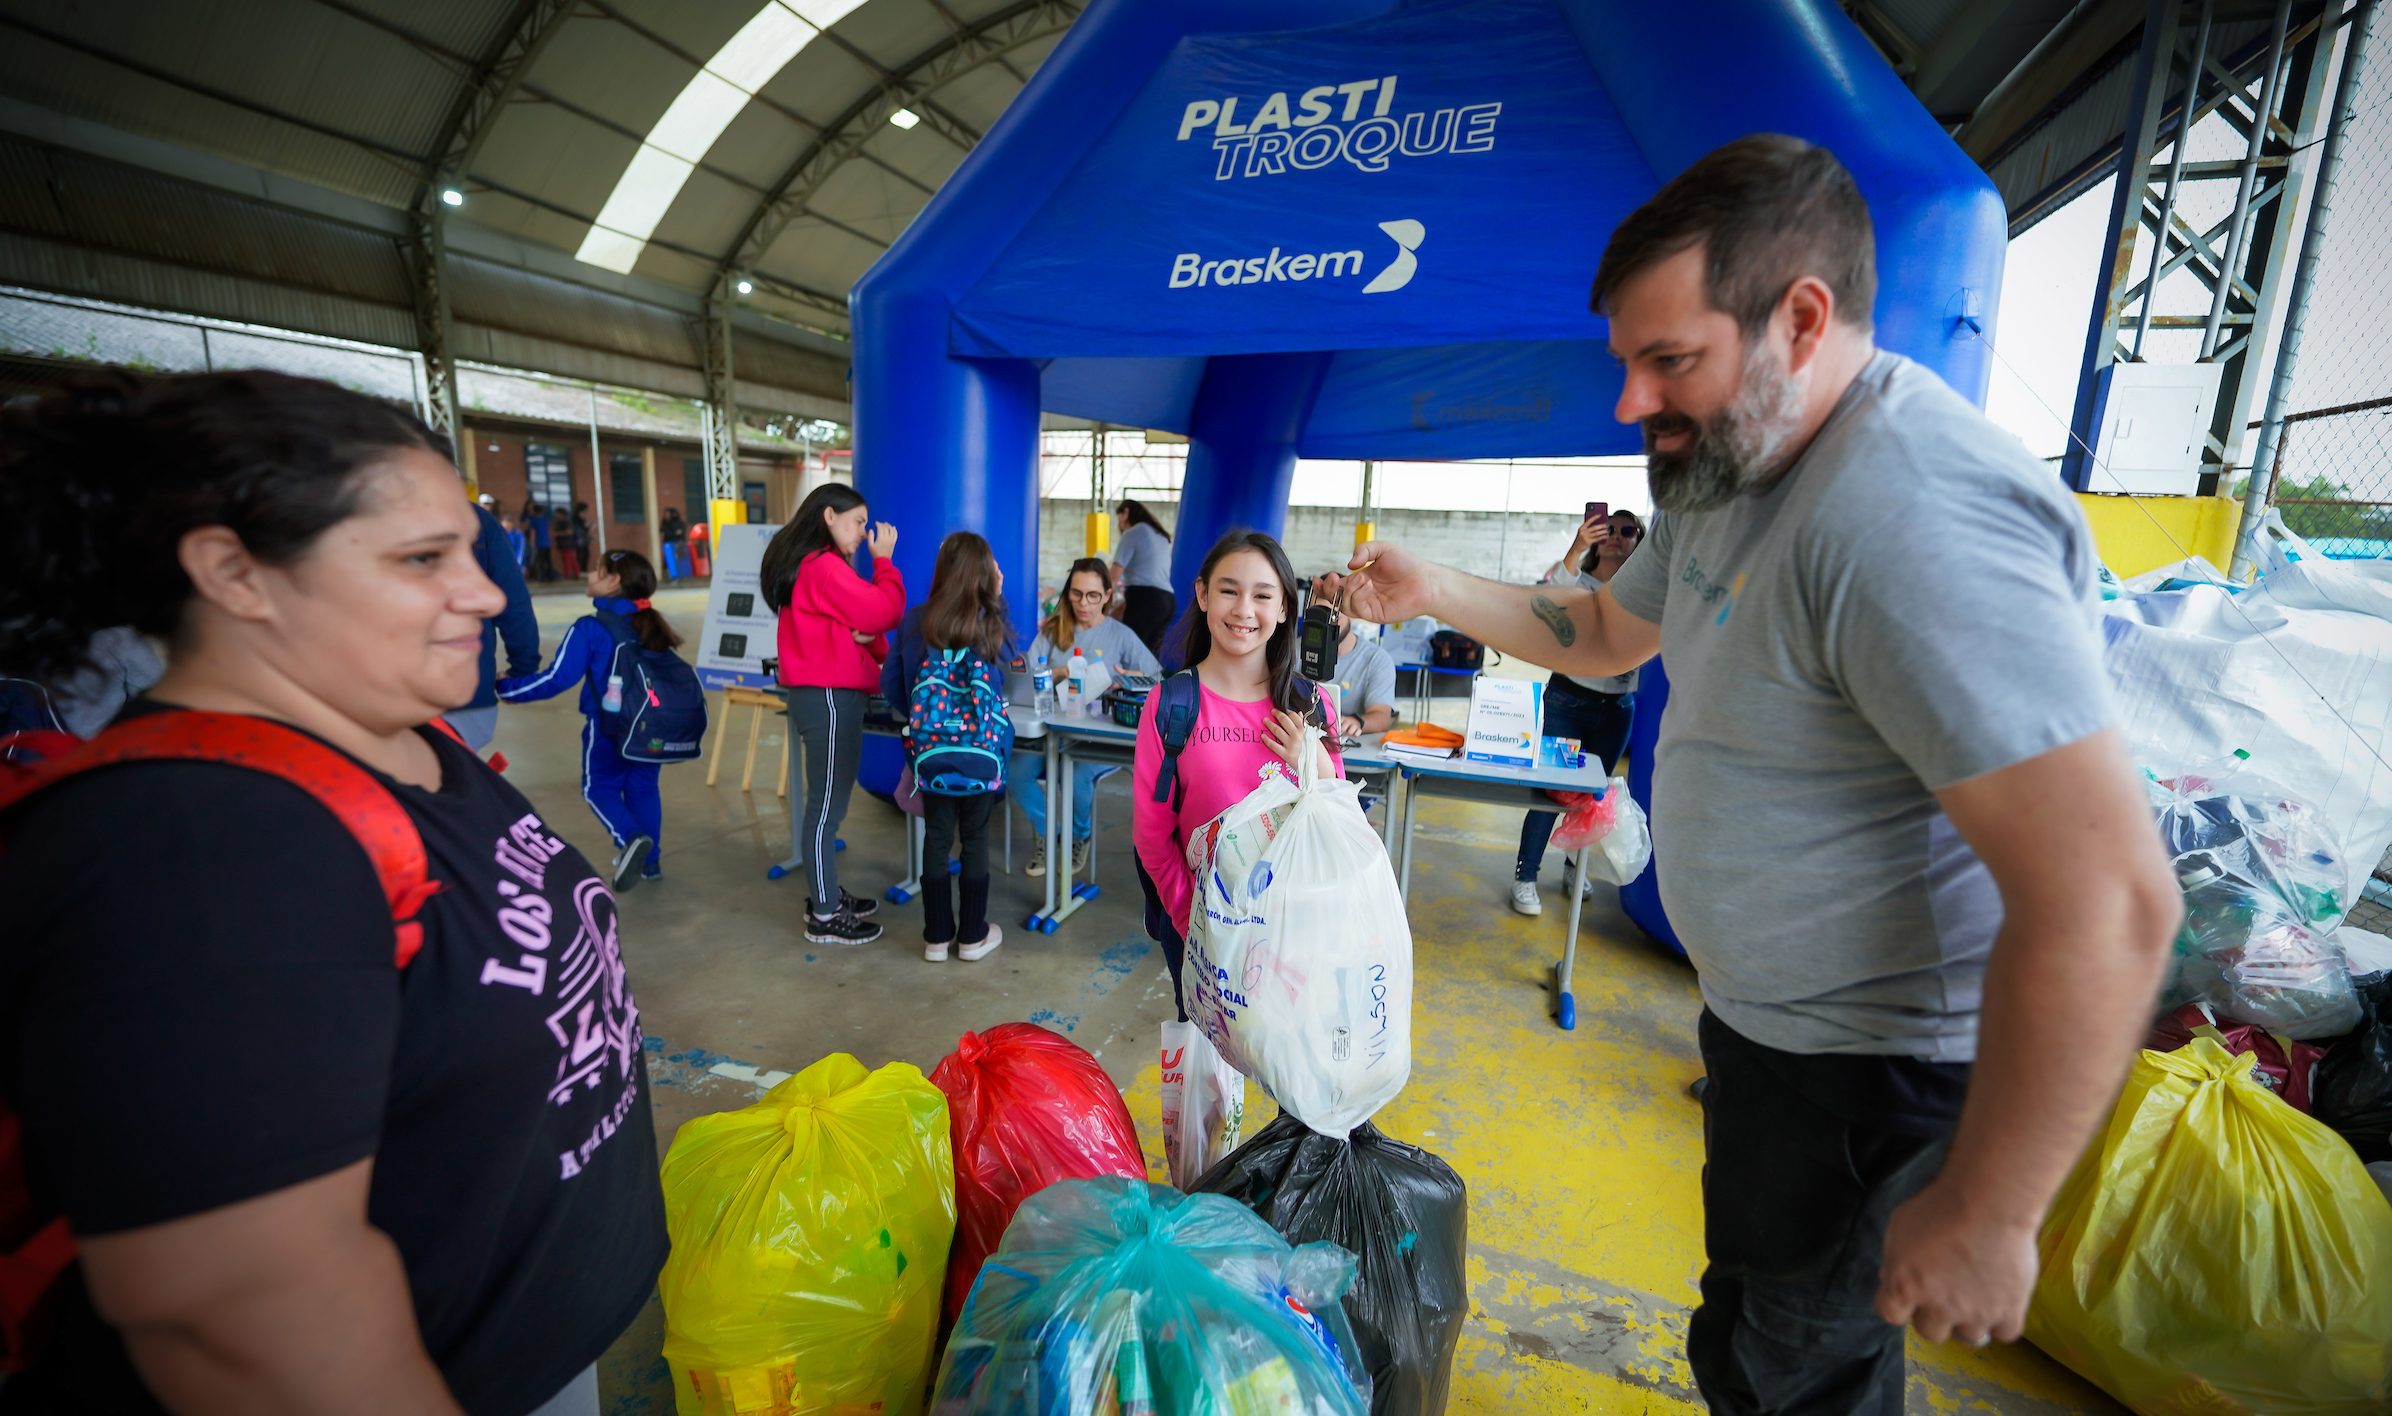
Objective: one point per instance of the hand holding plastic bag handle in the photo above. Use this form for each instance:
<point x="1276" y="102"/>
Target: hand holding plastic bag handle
<point x="1298" y="744"/>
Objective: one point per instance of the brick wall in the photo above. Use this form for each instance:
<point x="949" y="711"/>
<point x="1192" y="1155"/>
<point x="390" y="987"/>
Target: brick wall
<point x="498" y="464"/>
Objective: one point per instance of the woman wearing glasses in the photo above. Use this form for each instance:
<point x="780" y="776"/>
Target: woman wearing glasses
<point x="1078" y="622"/>
<point x="1597" y="712"/>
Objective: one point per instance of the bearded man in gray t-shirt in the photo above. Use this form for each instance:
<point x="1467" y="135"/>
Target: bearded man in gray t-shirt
<point x="1894" y="824"/>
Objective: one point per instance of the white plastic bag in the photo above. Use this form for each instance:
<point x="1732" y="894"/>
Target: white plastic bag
<point x="1204" y="1105"/>
<point x="1299" y="962"/>
<point x="2293" y="669"/>
<point x="1622" y="852"/>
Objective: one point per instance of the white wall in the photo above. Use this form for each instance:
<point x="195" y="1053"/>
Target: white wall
<point x="1517" y="546"/>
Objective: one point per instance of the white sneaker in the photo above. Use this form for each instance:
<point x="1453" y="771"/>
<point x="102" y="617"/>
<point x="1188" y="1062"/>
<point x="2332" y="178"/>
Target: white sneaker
<point x="973" y="953"/>
<point x="936" y="953"/>
<point x="1524" y="898"/>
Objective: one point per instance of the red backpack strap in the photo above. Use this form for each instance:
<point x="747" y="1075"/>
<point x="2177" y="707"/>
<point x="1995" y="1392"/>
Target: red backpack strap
<point x="344" y="788"/>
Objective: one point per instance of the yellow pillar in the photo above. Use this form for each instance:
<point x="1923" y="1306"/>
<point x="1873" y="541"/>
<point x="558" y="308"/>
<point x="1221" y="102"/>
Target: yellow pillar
<point x="1365" y="531"/>
<point x="1100" y="532"/>
<point x="729" y="511"/>
<point x="464" y="445"/>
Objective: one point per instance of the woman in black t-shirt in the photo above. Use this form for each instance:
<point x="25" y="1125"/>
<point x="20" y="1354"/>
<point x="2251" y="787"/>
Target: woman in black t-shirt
<point x="300" y="1177"/>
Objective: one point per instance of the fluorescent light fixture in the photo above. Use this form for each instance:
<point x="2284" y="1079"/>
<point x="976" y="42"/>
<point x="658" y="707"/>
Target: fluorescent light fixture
<point x="690" y="127"/>
<point x="747" y="288"/>
<point x="452" y="196"/>
<point x="904" y="118"/>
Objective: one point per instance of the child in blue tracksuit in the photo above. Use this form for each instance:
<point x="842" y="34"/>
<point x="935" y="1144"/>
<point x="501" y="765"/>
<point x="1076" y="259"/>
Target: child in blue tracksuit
<point x="623" y="793"/>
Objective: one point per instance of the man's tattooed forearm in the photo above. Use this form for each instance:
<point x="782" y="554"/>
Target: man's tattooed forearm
<point x="1557" y="619"/>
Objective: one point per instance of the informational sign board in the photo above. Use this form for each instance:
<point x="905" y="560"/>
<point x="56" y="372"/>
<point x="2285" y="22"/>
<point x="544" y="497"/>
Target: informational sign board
<point x="1506" y="717"/>
<point x="741" y="630"/>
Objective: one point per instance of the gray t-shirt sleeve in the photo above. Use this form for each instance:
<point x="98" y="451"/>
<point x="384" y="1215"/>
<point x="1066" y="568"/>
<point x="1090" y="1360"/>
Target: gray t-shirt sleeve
<point x="1375" y="687"/>
<point x="1961" y="628"/>
<point x="1641" y="585"/>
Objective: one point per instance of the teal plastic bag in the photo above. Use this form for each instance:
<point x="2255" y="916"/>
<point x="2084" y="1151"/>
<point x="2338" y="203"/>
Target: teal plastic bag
<point x="1116" y="1296"/>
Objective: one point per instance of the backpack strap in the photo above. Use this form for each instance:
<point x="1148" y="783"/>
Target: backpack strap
<point x="1174" y="722"/>
<point x="347" y="790"/>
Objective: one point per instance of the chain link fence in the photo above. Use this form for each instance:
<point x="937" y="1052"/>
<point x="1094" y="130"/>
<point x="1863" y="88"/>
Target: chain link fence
<point x="2332" y="478"/>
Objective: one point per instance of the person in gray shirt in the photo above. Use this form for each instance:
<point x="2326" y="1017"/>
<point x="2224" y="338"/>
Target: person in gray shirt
<point x="1078" y="623"/>
<point x="1896" y="826"/>
<point x="1142" y="568"/>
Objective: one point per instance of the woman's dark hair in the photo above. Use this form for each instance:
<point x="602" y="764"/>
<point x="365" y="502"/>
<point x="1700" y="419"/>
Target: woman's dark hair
<point x="1588" y="562"/>
<point x="966" y="610"/>
<point x="805" y="534"/>
<point x="1139" y="516"/>
<point x="1288" y="689"/>
<point x="639" y="582"/>
<point x="1060" y="628"/>
<point x="100" y="481"/>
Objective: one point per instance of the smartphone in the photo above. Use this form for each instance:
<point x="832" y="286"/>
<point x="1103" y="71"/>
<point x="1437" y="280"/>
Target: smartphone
<point x="1596" y="511"/>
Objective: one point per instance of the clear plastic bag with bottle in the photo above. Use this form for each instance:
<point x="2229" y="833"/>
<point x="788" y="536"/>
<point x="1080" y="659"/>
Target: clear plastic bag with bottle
<point x="2262" y="886"/>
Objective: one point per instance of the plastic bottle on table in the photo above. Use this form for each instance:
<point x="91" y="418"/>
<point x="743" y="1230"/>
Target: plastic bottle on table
<point x="1078" y="677"/>
<point x="1042" y="680"/>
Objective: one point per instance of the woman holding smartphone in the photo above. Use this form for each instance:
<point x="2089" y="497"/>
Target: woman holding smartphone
<point x="1598" y="712"/>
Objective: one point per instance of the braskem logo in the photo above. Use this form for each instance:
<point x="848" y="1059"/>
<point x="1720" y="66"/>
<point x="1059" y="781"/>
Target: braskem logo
<point x="1193" y="270"/>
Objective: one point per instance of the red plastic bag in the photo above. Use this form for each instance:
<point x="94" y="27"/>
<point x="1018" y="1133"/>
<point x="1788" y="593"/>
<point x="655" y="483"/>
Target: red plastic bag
<point x="2285" y="1067"/>
<point x="1585" y="819"/>
<point x="1026" y="1107"/>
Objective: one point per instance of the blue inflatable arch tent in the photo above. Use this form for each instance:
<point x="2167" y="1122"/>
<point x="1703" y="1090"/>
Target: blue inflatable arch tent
<point x="1353" y="229"/>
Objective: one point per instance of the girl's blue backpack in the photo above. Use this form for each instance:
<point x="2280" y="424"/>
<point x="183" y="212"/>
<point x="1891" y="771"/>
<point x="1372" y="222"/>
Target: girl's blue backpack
<point x="956" y="728"/>
<point x="662" y="717"/>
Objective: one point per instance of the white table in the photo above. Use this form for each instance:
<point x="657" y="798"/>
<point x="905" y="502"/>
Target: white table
<point x="1100" y="739"/>
<point x="1524" y="787"/>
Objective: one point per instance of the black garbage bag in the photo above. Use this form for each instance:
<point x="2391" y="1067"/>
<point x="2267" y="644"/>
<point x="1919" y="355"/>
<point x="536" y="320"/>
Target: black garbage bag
<point x="1401" y="1212"/>
<point x="2353" y="1089"/>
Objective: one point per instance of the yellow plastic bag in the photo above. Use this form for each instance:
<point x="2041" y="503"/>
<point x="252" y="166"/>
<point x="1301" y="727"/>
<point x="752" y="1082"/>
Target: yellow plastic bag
<point x="2218" y="1252"/>
<point x="810" y="1235"/>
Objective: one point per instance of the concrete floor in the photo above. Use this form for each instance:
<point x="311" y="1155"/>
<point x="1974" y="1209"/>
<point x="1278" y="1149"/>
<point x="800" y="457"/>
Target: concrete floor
<point x="1581" y="1149"/>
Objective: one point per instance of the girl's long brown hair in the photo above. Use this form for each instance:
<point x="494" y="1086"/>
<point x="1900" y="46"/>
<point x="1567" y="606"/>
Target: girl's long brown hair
<point x="966" y="610"/>
<point x="638" y="578"/>
<point x="1060" y="627"/>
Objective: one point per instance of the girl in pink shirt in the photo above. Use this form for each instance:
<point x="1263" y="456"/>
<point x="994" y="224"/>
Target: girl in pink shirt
<point x="1252" y="709"/>
<point x="832" y="628"/>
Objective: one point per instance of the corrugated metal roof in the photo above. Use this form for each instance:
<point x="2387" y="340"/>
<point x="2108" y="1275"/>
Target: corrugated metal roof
<point x="80" y="85"/>
<point x="132" y="280"/>
<point x="497" y="296"/>
<point x="107" y="206"/>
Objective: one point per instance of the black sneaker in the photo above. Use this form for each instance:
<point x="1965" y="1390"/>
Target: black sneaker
<point x="861" y="906"/>
<point x="626" y="871"/>
<point x="841" y="928"/>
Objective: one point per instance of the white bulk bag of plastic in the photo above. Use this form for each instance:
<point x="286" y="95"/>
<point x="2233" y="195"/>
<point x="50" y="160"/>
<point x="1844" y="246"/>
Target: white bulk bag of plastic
<point x="2296" y="671"/>
<point x="1299" y="961"/>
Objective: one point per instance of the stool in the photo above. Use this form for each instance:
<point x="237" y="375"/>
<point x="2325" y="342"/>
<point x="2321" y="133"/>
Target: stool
<point x="760" y="700"/>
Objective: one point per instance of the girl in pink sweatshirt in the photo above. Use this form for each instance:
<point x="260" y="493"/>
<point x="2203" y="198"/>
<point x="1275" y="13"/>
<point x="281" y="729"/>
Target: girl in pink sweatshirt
<point x="1252" y="708"/>
<point x="832" y="623"/>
